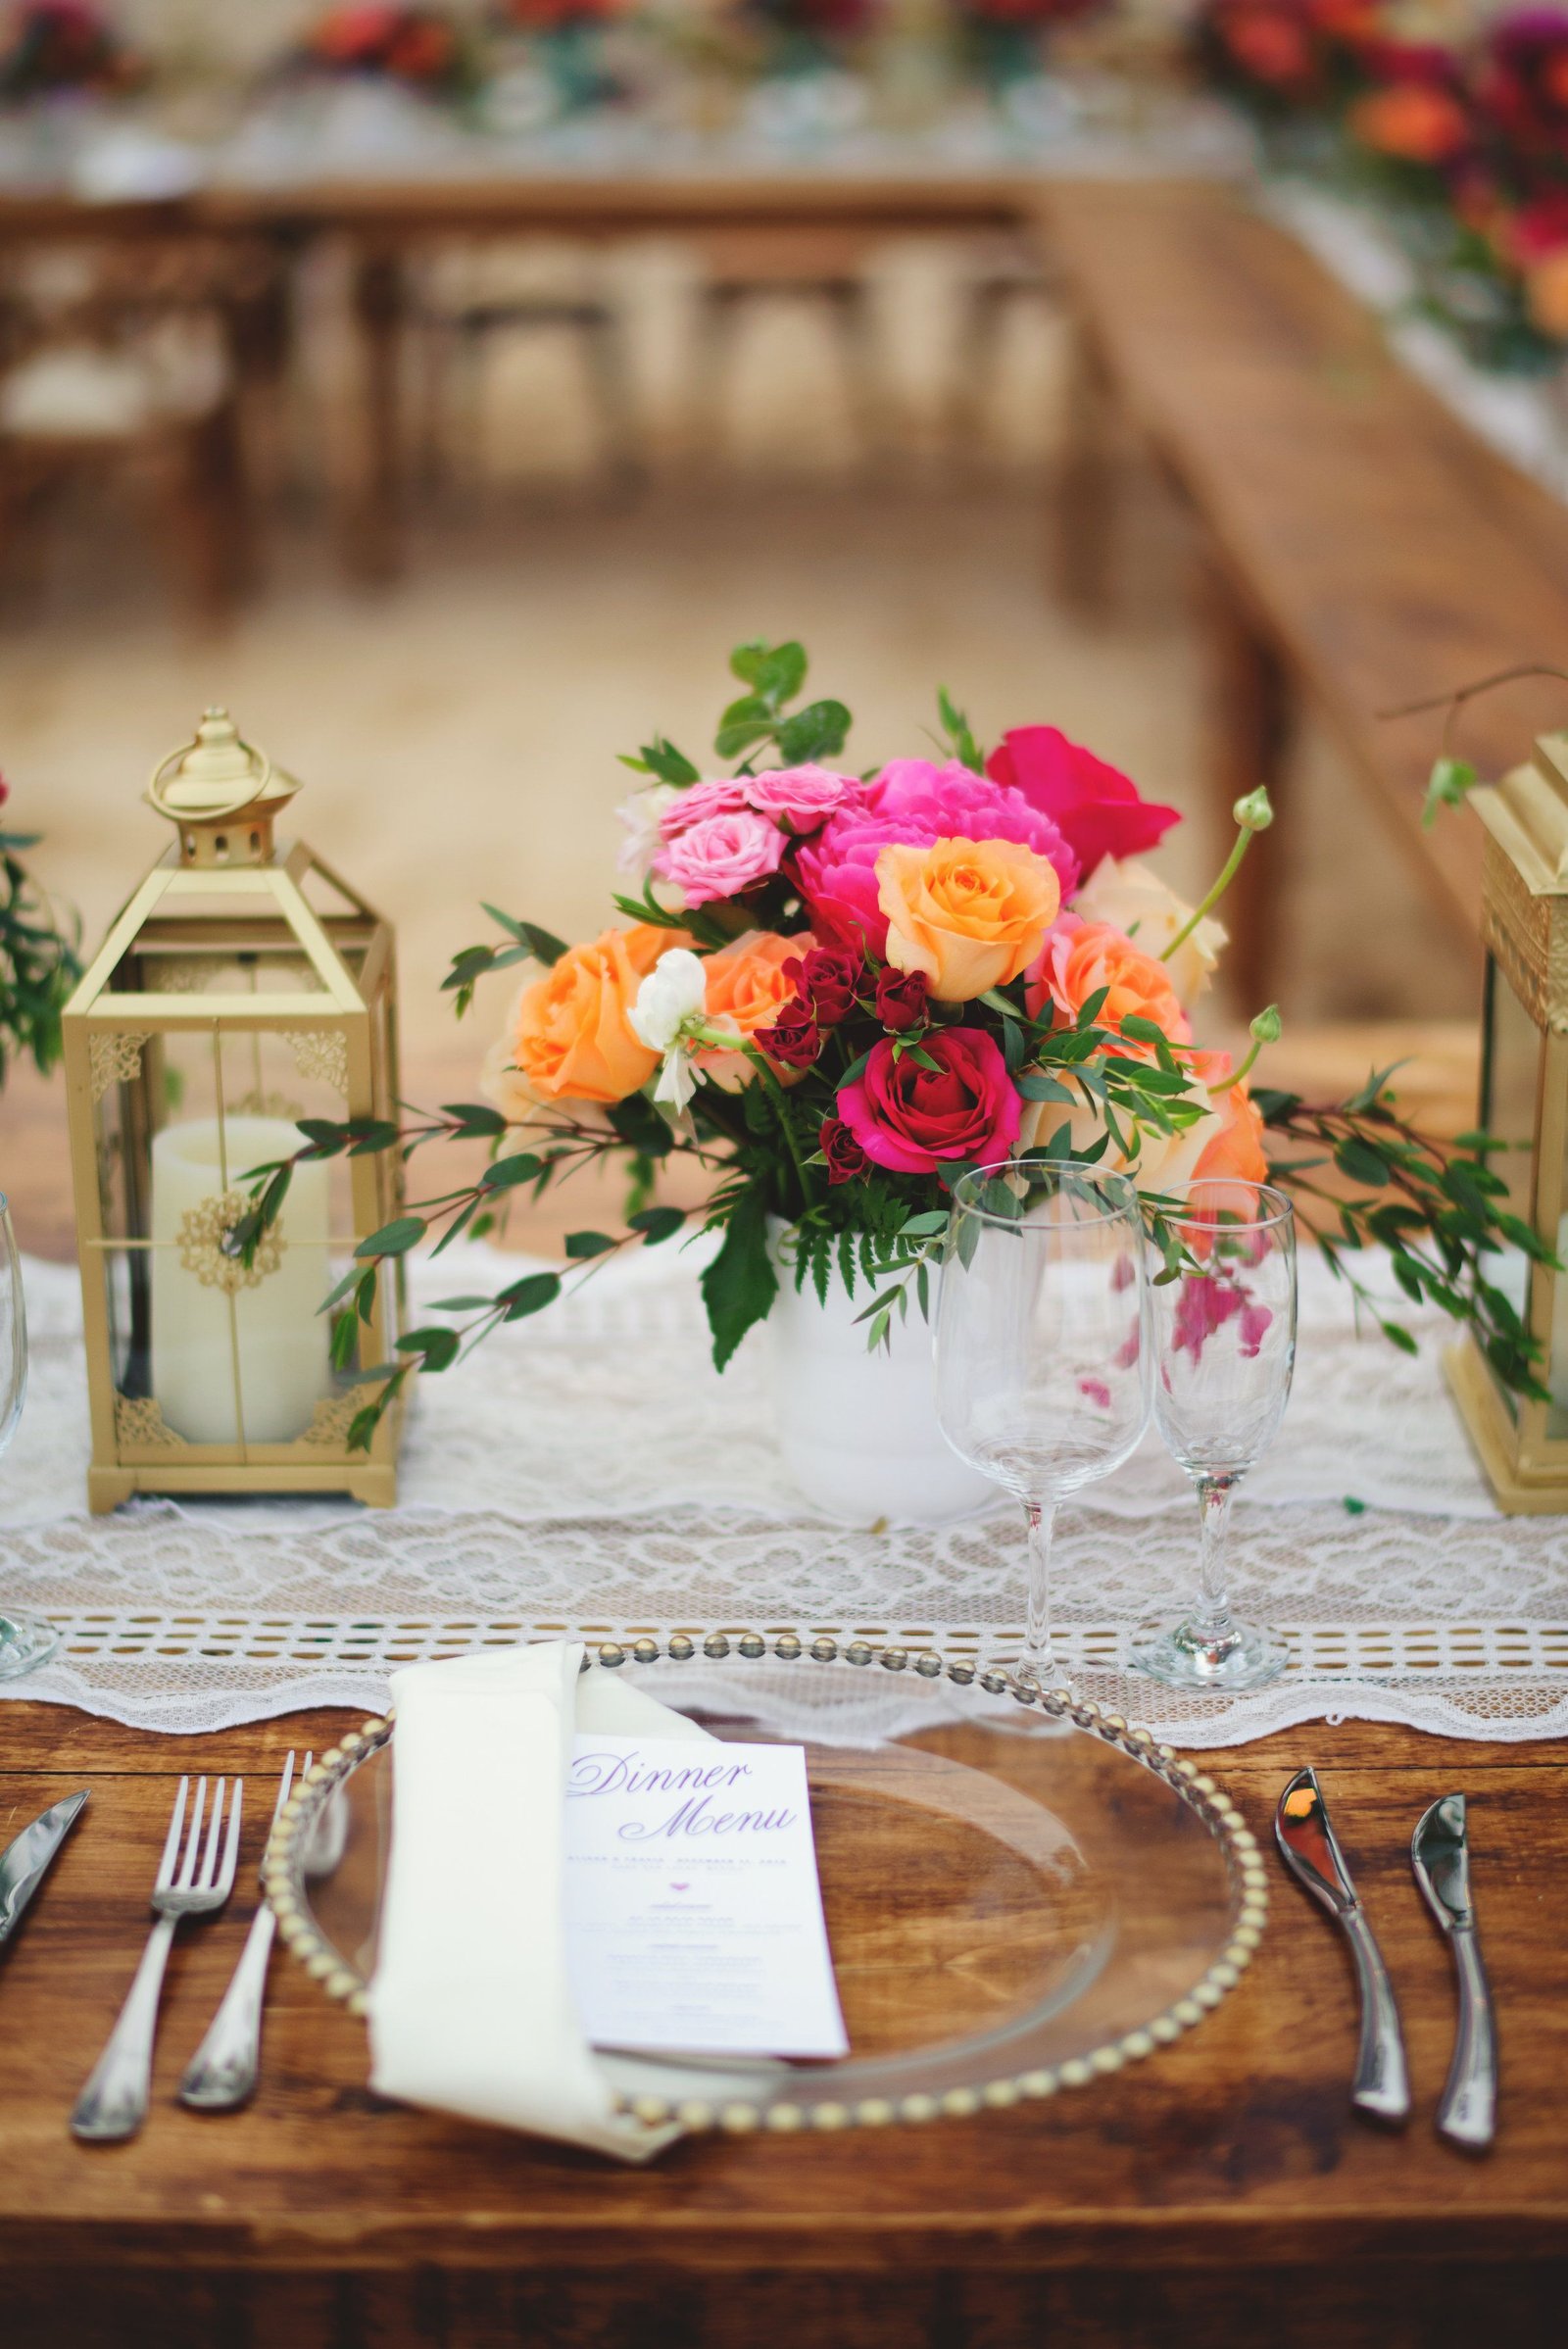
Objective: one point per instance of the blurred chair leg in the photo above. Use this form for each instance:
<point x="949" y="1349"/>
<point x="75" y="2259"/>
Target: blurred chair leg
<point x="205" y="513"/>
<point x="850" y="304"/>
<point x="979" y="342"/>
<point x="715" y="343"/>
<point x="1250" y="732"/>
<point x="1086" y="485"/>
<point x="373" y="552"/>
<point x="611" y="372"/>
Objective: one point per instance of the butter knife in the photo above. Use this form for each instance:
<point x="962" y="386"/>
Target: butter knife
<point x="1310" y="1850"/>
<point x="1440" y="1855"/>
<point x="24" y="1863"/>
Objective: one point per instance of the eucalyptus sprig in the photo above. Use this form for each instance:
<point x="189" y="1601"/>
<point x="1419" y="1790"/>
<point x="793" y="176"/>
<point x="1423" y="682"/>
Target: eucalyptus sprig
<point x="39" y="964"/>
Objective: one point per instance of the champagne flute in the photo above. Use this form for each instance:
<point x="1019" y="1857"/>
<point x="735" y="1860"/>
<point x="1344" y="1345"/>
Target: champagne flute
<point x="25" y="1641"/>
<point x="1224" y="1345"/>
<point x="1042" y="1346"/>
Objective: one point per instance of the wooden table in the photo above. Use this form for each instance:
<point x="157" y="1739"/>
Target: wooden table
<point x="1220" y="2193"/>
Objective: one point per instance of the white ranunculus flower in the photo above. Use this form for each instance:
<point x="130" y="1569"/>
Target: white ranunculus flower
<point x="641" y="815"/>
<point x="669" y="999"/>
<point x="1161" y="1162"/>
<point x="1133" y="898"/>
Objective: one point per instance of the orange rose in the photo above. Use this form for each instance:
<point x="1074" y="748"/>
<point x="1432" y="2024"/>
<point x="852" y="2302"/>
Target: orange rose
<point x="970" y="914"/>
<point x="1546" y="293"/>
<point x="1082" y="958"/>
<point x="1412" y="122"/>
<point x="571" y="1038"/>
<point x="747" y="988"/>
<point x="1236" y="1152"/>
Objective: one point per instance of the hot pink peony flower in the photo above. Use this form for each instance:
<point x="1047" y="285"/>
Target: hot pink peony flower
<point x="1096" y="806"/>
<point x="722" y="855"/>
<point x="800" y="798"/>
<point x="916" y="802"/>
<point x="911" y="1118"/>
<point x="699" y="801"/>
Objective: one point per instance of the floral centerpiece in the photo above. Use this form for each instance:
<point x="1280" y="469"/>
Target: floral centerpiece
<point x="62" y="48"/>
<point x="424" y="50"/>
<point x="834" y="992"/>
<point x="807" y="36"/>
<point x="38" y="964"/>
<point x="1005" y="41"/>
<point x="569" y="40"/>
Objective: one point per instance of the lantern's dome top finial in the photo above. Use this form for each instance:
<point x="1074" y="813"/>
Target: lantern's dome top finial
<point x="221" y="794"/>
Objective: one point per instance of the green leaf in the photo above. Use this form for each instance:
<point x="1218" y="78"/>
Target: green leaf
<point x="1036" y="1086"/>
<point x="955" y="727"/>
<point x="543" y="944"/>
<point x="472" y="1117"/>
<point x="658" y="1223"/>
<point x="1448" y="785"/>
<point x="517" y="1166"/>
<point x="580" y="1245"/>
<point x="818" y="732"/>
<point x="531" y="1294"/>
<point x="1398" y="1337"/>
<point x="393" y="1238"/>
<point x="436" y="1348"/>
<point x="345" y="1338"/>
<point x="776" y="672"/>
<point x="662" y="758"/>
<point x="1361" y="1162"/>
<point x="1090" y="1007"/>
<point x="640" y="1127"/>
<point x="1273" y="1106"/>
<point x="740" y="1284"/>
<point x="1142" y="1031"/>
<point x="746" y="721"/>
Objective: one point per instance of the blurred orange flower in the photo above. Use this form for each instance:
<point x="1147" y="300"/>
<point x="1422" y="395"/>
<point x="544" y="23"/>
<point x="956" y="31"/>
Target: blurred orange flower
<point x="1412" y="122"/>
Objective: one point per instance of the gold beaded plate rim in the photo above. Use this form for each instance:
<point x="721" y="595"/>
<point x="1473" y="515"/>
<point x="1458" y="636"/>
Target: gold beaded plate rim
<point x="282" y="1876"/>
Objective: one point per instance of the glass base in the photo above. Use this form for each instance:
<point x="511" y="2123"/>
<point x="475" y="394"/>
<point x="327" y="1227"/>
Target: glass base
<point x="26" y="1643"/>
<point x="1183" y="1657"/>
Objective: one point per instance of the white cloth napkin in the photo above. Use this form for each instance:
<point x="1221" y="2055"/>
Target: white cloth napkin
<point x="470" y="2009"/>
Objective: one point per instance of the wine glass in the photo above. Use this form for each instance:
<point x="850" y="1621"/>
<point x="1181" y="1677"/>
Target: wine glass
<point x="25" y="1641"/>
<point x="1042" y="1344"/>
<point x="1224" y="1345"/>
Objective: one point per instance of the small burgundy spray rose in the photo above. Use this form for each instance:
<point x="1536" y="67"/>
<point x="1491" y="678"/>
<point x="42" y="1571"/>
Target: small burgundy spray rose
<point x="830" y="980"/>
<point x="901" y="1000"/>
<point x="794" y="1039"/>
<point x="845" y="1157"/>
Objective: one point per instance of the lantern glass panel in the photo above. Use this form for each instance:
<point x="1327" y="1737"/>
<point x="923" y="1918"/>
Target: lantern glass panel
<point x="1510" y="1101"/>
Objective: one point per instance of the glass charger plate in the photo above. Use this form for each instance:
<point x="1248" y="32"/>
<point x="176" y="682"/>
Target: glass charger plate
<point x="1022" y="1893"/>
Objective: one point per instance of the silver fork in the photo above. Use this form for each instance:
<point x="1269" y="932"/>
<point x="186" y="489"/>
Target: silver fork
<point x="222" y="2074"/>
<point x="114" y="2102"/>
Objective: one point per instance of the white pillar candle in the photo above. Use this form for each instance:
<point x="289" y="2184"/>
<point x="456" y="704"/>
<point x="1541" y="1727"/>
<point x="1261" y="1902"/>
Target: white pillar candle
<point x="278" y="1336"/>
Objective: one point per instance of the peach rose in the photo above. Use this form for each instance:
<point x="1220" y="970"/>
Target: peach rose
<point x="569" y="1035"/>
<point x="747" y="989"/>
<point x="1236" y="1150"/>
<point x="1134" y="899"/>
<point x="1546" y="293"/>
<point x="1081" y="958"/>
<point x="970" y="914"/>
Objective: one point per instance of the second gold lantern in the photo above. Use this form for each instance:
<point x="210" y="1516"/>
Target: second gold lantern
<point x="244" y="987"/>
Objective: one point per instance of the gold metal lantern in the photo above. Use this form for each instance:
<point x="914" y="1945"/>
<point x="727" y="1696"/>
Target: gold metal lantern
<point x="1524" y="1100"/>
<point x="244" y="987"/>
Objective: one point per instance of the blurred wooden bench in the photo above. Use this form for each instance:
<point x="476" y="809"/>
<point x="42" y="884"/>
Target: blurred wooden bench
<point x="1364" y="550"/>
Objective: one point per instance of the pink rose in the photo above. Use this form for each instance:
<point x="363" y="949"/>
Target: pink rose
<point x="915" y="802"/>
<point x="1096" y="806"/>
<point x="700" y="800"/>
<point x="800" y="798"/>
<point x="720" y="857"/>
<point x="911" y="1118"/>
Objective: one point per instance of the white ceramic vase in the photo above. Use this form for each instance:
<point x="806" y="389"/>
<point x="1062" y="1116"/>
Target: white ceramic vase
<point x="859" y="1430"/>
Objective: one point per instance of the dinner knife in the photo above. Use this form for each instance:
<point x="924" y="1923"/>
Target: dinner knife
<point x="1310" y="1850"/>
<point x="1440" y="1854"/>
<point x="24" y="1863"/>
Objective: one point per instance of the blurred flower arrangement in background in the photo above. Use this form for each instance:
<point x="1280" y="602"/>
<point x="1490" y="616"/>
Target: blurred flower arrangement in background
<point x="1466" y="146"/>
<point x="38" y="961"/>
<point x="425" y="50"/>
<point x="1007" y="40"/>
<point x="54" y="48"/>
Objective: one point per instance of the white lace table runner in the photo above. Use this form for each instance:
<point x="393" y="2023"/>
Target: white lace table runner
<point x="588" y="1473"/>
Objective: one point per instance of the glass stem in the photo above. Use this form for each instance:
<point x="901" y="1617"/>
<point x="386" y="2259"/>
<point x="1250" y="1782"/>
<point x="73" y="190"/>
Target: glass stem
<point x="1212" y="1628"/>
<point x="1040" y="1659"/>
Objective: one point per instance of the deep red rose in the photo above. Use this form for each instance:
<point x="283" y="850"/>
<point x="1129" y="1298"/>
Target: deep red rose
<point x="901" y="1000"/>
<point x="830" y="980"/>
<point x="1095" y="807"/>
<point x="5" y="791"/>
<point x="910" y="1118"/>
<point x="845" y="1157"/>
<point x="795" y="1039"/>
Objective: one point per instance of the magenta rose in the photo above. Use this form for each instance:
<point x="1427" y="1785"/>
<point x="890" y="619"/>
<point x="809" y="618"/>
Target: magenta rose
<point x="722" y="855"/>
<point x="800" y="798"/>
<point x="700" y="800"/>
<point x="913" y="800"/>
<point x="845" y="1157"/>
<point x="1096" y="806"/>
<point x="830" y="980"/>
<point x="911" y="1118"/>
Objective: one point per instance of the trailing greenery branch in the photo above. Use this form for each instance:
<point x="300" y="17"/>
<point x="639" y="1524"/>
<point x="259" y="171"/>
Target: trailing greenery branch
<point x="1452" y="779"/>
<point x="39" y="964"/>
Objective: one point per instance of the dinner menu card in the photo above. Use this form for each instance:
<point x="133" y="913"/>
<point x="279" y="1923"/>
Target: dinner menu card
<point x="694" y="1916"/>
